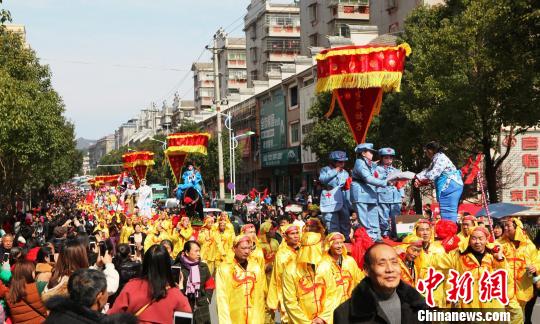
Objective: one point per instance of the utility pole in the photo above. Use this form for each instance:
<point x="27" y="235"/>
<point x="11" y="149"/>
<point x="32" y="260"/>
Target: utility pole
<point x="218" y="120"/>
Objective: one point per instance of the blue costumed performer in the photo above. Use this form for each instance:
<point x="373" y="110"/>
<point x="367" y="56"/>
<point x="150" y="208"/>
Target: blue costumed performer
<point x="447" y="179"/>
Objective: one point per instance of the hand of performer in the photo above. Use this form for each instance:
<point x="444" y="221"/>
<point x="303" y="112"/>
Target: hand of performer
<point x="318" y="320"/>
<point x="531" y="269"/>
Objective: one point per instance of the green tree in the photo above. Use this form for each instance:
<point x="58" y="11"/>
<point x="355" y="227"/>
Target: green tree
<point x="37" y="144"/>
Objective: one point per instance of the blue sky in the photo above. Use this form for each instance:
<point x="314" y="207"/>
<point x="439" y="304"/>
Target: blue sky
<point x="153" y="41"/>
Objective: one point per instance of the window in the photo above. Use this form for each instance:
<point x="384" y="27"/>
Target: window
<point x="253" y="54"/>
<point x="237" y="74"/>
<point x="312" y="12"/>
<point x="253" y="31"/>
<point x="314" y="40"/>
<point x="234" y="55"/>
<point x="269" y="67"/>
<point x="187" y="114"/>
<point x="294" y="133"/>
<point x="293" y="97"/>
<point x="254" y="75"/>
<point x="343" y="30"/>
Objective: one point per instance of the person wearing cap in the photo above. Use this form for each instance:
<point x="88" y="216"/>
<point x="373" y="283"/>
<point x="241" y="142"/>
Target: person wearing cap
<point x="343" y="267"/>
<point x="523" y="263"/>
<point x="334" y="202"/>
<point x="389" y="197"/>
<point x="364" y="196"/>
<point x="285" y="255"/>
<point x="144" y="199"/>
<point x="477" y="257"/>
<point x="447" y="179"/>
<point x="410" y="264"/>
<point x="240" y="286"/>
<point x="307" y="293"/>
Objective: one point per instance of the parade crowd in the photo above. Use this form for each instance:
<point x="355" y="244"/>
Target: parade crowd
<point x="110" y="256"/>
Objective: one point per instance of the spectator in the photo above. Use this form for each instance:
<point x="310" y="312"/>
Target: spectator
<point x="7" y="244"/>
<point x="197" y="283"/>
<point x="87" y="290"/>
<point x="153" y="297"/>
<point x="72" y="257"/>
<point x="43" y="266"/>
<point x="126" y="266"/>
<point x="24" y="298"/>
<point x="60" y="234"/>
<point x="381" y="297"/>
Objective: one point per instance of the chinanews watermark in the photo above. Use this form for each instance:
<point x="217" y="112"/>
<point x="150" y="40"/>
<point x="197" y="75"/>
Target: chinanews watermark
<point x="466" y="316"/>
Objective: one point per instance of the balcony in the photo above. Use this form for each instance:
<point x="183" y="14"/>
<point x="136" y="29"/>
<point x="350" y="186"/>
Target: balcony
<point x="282" y="25"/>
<point x="282" y="46"/>
<point x="333" y="3"/>
<point x="351" y="11"/>
<point x="237" y="64"/>
<point x="283" y="31"/>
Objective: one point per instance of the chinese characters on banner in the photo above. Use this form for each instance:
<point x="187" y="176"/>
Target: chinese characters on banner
<point x="490" y="286"/>
<point x="522" y="169"/>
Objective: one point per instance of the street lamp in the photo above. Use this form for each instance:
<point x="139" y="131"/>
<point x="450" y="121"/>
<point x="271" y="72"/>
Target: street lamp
<point x="162" y="142"/>
<point x="233" y="144"/>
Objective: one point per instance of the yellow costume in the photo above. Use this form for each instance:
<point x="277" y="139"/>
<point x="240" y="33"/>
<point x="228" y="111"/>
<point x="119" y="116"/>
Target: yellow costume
<point x="306" y="291"/>
<point x="284" y="256"/>
<point x="519" y="253"/>
<point x="408" y="275"/>
<point x="269" y="248"/>
<point x="152" y="238"/>
<point x="463" y="261"/>
<point x="126" y="231"/>
<point x="240" y="292"/>
<point x="205" y="239"/>
<point x="220" y="245"/>
<point x="346" y="275"/>
<point x="180" y="237"/>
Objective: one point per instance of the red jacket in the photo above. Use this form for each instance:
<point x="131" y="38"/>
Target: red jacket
<point x="135" y="296"/>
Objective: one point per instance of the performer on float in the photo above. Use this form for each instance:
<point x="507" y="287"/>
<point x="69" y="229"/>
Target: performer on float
<point x="447" y="179"/>
<point x="334" y="203"/>
<point x="389" y="197"/>
<point x="181" y="234"/>
<point x="128" y="197"/>
<point x="191" y="179"/>
<point x="344" y="269"/>
<point x="309" y="295"/>
<point x="523" y="264"/>
<point x="364" y="196"/>
<point x="144" y="199"/>
<point x="240" y="287"/>
<point x="285" y="255"/>
<point x="479" y="257"/>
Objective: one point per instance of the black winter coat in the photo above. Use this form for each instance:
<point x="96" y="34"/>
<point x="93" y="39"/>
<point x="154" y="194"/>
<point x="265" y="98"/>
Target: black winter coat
<point x="363" y="307"/>
<point x="65" y="311"/>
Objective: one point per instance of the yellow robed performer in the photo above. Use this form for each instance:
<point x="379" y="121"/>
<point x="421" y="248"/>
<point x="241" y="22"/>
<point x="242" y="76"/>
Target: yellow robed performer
<point x="269" y="246"/>
<point x="127" y="230"/>
<point x="522" y="257"/>
<point x="205" y="239"/>
<point x="478" y="257"/>
<point x="344" y="269"/>
<point x="409" y="262"/>
<point x="181" y="234"/>
<point x="155" y="235"/>
<point x="223" y="236"/>
<point x="307" y="294"/>
<point x="285" y="255"/>
<point x="240" y="287"/>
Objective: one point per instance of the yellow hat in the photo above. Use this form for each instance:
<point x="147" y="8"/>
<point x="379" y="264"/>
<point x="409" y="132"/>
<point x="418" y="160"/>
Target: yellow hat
<point x="310" y="248"/>
<point x="241" y="238"/>
<point x="331" y="238"/>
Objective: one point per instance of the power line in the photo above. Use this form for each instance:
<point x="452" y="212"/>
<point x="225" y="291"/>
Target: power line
<point x="125" y="66"/>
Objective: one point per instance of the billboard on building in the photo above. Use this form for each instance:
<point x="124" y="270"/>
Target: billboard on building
<point x="520" y="174"/>
<point x="273" y="121"/>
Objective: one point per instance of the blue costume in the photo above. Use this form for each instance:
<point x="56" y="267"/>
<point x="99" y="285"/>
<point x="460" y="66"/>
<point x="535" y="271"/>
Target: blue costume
<point x="364" y="193"/>
<point x="191" y="179"/>
<point x="389" y="197"/>
<point x="448" y="184"/>
<point x="334" y="199"/>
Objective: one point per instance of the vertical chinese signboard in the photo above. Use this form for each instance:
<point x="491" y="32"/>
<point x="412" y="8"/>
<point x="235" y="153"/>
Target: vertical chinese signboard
<point x="521" y="172"/>
<point x="273" y="121"/>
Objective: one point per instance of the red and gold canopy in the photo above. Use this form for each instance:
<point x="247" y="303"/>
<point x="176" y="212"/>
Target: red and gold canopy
<point x="179" y="145"/>
<point x="104" y="179"/>
<point x="138" y="161"/>
<point x="357" y="77"/>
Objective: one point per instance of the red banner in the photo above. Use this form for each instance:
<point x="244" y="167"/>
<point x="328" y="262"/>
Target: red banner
<point x="141" y="170"/>
<point x="188" y="142"/>
<point x="176" y="161"/>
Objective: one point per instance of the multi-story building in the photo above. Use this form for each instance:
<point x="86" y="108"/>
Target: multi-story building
<point x="323" y="18"/>
<point x="203" y="85"/>
<point x="231" y="63"/>
<point x="272" y="37"/>
<point x="389" y="15"/>
<point x="86" y="164"/>
<point x="19" y="30"/>
<point x="125" y="132"/>
<point x="103" y="146"/>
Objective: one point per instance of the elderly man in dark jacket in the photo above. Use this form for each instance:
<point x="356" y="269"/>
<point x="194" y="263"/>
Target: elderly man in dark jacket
<point x="381" y="297"/>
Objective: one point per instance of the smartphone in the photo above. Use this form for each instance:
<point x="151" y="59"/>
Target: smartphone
<point x="92" y="246"/>
<point x="51" y="258"/>
<point x="132" y="249"/>
<point x="132" y="239"/>
<point x="6" y="257"/>
<point x="102" y="248"/>
<point x="183" y="318"/>
<point x="175" y="273"/>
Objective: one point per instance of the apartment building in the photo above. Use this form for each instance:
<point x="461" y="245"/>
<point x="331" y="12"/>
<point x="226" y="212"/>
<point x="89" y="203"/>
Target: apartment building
<point x="232" y="63"/>
<point x="323" y="18"/>
<point x="389" y="15"/>
<point x="203" y="85"/>
<point x="272" y="37"/>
